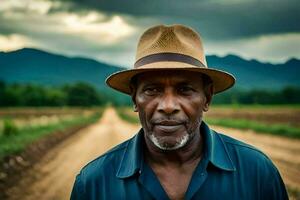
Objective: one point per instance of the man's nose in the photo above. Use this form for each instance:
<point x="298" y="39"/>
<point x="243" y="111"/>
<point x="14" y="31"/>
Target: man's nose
<point x="168" y="104"/>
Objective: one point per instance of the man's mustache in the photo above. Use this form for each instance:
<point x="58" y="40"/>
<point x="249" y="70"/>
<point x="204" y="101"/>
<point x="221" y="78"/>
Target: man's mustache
<point x="167" y="121"/>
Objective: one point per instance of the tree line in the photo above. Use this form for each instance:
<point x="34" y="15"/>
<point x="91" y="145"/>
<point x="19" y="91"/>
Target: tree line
<point x="78" y="94"/>
<point x="84" y="94"/>
<point x="287" y="95"/>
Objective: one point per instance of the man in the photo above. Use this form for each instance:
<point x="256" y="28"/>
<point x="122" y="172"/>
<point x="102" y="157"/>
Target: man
<point x="176" y="155"/>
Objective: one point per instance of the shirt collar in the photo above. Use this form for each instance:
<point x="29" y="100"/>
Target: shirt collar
<point x="132" y="159"/>
<point x="215" y="151"/>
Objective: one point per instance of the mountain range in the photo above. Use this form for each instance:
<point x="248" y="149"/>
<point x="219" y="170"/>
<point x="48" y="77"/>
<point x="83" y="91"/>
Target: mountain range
<point x="40" y="67"/>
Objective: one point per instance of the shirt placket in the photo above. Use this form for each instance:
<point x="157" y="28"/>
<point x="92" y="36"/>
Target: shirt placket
<point x="150" y="182"/>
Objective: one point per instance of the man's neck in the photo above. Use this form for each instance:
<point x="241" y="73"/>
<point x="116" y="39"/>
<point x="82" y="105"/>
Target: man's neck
<point x="189" y="154"/>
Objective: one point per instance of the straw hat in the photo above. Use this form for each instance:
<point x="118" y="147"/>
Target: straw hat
<point x="175" y="47"/>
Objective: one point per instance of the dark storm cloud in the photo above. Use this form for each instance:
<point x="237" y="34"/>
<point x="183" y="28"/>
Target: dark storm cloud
<point x="108" y="31"/>
<point x="216" y="19"/>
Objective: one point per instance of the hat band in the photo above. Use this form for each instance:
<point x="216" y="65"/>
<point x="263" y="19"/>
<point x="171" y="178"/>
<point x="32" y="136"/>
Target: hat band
<point x="168" y="57"/>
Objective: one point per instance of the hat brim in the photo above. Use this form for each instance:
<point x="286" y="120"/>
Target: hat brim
<point x="121" y="80"/>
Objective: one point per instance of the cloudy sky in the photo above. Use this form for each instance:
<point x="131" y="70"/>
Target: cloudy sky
<point x="266" y="30"/>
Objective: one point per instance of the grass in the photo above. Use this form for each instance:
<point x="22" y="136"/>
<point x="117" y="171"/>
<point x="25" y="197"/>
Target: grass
<point x="17" y="141"/>
<point x="123" y="113"/>
<point x="276" y="129"/>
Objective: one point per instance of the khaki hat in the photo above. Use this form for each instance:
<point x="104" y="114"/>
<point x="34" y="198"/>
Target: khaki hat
<point x="175" y="47"/>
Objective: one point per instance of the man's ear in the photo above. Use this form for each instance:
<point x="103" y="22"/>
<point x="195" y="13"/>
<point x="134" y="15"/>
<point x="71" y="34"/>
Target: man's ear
<point x="209" y="91"/>
<point x="135" y="109"/>
<point x="206" y="107"/>
<point x="133" y="94"/>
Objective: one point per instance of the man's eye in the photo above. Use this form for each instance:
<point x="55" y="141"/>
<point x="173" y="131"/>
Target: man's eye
<point x="185" y="89"/>
<point x="151" y="91"/>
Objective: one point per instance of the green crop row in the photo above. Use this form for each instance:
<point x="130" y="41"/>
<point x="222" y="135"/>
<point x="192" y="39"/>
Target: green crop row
<point x="14" y="140"/>
<point x="276" y="129"/>
<point x="123" y="113"/>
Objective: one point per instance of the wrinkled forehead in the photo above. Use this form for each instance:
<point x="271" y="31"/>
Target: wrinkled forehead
<point x="169" y="76"/>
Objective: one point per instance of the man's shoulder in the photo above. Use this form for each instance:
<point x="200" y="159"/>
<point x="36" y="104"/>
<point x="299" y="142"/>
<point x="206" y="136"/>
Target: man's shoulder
<point x="253" y="168"/>
<point x="241" y="152"/>
<point x="106" y="163"/>
<point x="238" y="144"/>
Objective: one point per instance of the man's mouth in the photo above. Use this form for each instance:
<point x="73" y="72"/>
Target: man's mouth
<point x="168" y="126"/>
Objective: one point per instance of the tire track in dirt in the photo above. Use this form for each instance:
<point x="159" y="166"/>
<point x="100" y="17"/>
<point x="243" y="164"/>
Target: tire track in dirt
<point x="54" y="175"/>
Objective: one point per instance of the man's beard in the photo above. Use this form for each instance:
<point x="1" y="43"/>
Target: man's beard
<point x="181" y="142"/>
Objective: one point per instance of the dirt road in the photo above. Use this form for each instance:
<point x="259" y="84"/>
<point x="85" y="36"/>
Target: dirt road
<point x="53" y="176"/>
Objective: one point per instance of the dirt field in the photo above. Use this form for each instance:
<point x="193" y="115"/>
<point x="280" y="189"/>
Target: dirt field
<point x="53" y="177"/>
<point x="269" y="115"/>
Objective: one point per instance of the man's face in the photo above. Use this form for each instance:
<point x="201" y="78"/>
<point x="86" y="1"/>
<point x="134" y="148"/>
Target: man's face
<point x="170" y="107"/>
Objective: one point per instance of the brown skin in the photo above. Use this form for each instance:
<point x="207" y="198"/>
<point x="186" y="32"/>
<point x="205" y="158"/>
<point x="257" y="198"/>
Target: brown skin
<point x="170" y="106"/>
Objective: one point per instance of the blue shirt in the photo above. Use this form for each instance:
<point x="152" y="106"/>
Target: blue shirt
<point x="229" y="169"/>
